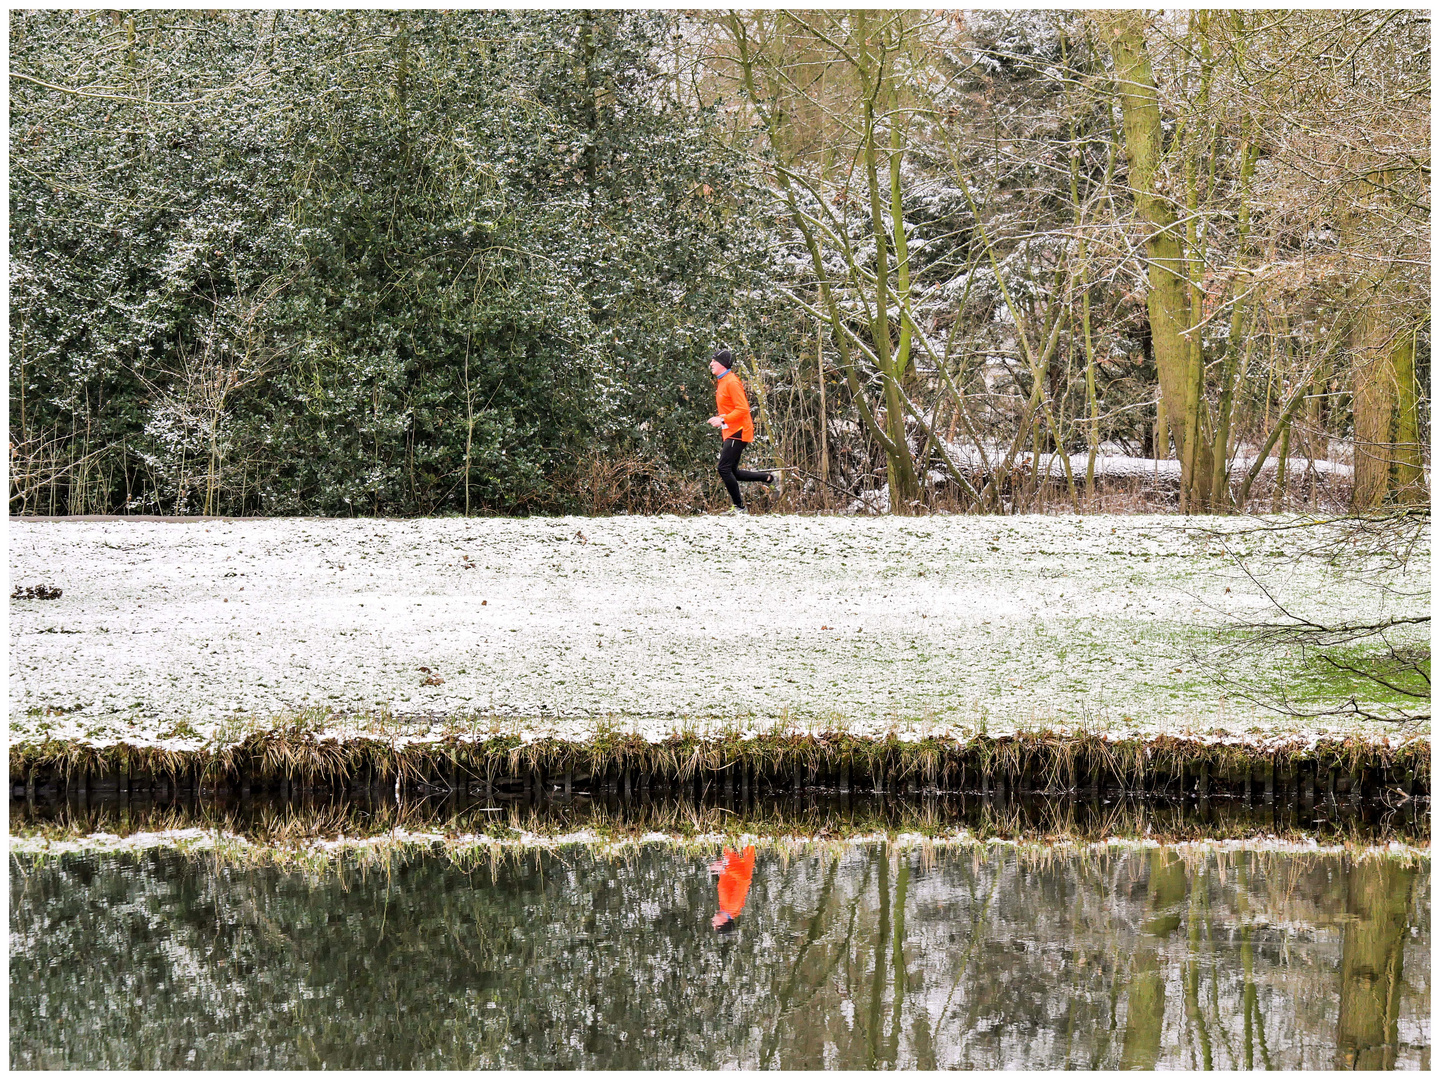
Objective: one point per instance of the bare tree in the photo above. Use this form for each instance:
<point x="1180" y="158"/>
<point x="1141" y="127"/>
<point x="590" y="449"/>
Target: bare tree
<point x="194" y="394"/>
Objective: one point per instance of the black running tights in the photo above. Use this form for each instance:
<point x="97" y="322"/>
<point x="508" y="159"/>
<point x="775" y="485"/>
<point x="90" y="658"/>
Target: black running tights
<point x="730" y="472"/>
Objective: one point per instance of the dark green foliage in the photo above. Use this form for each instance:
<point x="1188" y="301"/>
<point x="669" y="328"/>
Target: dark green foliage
<point x="359" y="262"/>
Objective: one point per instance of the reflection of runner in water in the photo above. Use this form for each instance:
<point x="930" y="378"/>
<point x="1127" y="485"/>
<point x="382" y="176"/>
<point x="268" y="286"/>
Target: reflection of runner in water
<point x="735" y="872"/>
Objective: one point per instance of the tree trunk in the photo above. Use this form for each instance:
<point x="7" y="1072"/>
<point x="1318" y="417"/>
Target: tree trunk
<point x="900" y="471"/>
<point x="1239" y="340"/>
<point x="1198" y="460"/>
<point x="1374" y="409"/>
<point x="820" y="381"/>
<point x="1281" y="426"/>
<point x="1168" y="301"/>
<point x="1409" y="478"/>
<point x="1383" y="366"/>
<point x="1277" y="498"/>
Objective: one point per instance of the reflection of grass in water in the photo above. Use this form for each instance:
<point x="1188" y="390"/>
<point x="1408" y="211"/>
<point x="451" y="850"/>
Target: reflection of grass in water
<point x="323" y="836"/>
<point x="386" y="856"/>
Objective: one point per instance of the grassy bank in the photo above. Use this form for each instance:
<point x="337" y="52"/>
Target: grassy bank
<point x="297" y="759"/>
<point x="776" y="654"/>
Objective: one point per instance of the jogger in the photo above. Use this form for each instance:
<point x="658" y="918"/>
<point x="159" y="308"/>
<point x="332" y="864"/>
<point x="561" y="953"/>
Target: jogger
<point x="736" y="427"/>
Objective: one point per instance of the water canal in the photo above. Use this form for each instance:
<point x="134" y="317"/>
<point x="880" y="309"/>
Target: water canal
<point x="492" y="940"/>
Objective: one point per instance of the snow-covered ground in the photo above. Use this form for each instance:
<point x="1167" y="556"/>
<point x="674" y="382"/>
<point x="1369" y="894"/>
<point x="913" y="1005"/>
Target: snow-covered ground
<point x="1113" y="463"/>
<point x="557" y="626"/>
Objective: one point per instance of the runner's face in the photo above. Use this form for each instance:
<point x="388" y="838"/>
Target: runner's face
<point x="717" y="369"/>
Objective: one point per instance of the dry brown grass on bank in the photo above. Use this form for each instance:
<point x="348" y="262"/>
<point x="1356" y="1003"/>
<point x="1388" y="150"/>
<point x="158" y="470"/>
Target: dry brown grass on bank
<point x="298" y="754"/>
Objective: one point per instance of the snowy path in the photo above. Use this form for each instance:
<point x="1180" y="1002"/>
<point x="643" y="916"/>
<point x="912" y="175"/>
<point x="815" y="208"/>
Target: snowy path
<point x="661" y="623"/>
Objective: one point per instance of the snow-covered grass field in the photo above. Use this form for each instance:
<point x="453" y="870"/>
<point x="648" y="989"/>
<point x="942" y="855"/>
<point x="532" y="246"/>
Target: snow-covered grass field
<point x="184" y="633"/>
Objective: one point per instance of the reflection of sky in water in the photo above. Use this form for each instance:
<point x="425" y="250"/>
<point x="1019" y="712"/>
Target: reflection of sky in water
<point x="849" y="958"/>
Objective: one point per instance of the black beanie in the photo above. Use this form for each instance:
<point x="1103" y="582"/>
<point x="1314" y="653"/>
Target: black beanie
<point x="723" y="357"/>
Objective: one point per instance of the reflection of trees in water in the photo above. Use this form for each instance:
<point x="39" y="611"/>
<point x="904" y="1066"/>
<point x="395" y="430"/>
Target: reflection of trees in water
<point x="1145" y="1011"/>
<point x="1378" y="904"/>
<point x="851" y="957"/>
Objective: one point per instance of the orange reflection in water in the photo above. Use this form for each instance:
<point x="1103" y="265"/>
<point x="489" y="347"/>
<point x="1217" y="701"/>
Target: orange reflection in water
<point x="735" y="872"/>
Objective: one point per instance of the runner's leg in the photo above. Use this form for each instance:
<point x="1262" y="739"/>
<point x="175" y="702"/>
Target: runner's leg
<point x="729" y="458"/>
<point x="747" y="474"/>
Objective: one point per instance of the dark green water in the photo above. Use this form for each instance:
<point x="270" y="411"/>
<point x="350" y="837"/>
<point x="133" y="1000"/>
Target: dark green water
<point x="847" y="957"/>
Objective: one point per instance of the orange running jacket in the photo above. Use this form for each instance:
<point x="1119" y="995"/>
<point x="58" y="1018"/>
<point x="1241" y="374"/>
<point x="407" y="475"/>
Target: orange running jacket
<point x="735" y="880"/>
<point x="730" y="403"/>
